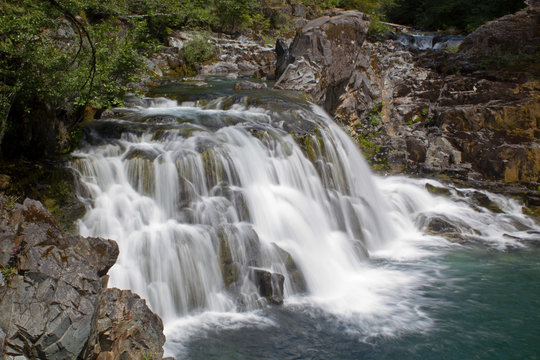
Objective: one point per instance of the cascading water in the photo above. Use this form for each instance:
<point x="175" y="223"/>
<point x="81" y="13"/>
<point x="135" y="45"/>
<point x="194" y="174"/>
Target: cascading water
<point x="207" y="199"/>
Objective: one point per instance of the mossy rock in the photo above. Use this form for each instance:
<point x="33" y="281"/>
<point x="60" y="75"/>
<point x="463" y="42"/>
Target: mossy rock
<point x="437" y="190"/>
<point x="229" y="270"/>
<point x="298" y="281"/>
<point x="51" y="182"/>
<point x="484" y="201"/>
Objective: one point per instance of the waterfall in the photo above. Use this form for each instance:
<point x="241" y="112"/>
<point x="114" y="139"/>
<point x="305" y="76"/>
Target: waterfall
<point x="199" y="196"/>
<point x="209" y="198"/>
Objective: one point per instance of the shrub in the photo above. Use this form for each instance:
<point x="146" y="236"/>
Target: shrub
<point x="198" y="50"/>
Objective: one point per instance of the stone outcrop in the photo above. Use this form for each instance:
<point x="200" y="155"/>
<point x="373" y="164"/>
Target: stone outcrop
<point x="323" y="56"/>
<point x="124" y="328"/>
<point x="429" y="112"/>
<point x="517" y="33"/>
<point x="51" y="282"/>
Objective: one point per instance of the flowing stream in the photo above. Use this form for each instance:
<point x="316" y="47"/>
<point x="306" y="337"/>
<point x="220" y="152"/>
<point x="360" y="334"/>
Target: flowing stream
<point x="212" y="193"/>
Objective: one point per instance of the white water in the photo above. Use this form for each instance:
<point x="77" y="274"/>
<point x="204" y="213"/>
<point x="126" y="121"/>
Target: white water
<point x="199" y="181"/>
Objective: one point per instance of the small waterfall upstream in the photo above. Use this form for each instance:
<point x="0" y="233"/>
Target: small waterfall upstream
<point x="209" y="198"/>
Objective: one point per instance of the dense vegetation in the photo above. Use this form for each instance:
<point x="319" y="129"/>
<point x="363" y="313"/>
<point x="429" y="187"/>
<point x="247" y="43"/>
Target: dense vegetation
<point x="462" y="15"/>
<point x="62" y="60"/>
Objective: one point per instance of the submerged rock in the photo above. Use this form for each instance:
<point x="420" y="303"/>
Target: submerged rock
<point x="249" y="85"/>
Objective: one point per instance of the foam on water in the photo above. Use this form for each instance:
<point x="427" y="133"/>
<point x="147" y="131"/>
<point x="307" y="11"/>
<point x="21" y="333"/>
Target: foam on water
<point x="236" y="187"/>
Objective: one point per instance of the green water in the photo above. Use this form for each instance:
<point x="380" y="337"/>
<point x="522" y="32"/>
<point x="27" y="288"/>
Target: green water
<point x="482" y="303"/>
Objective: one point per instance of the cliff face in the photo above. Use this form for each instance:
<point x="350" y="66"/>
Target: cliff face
<point x="53" y="293"/>
<point x="473" y="114"/>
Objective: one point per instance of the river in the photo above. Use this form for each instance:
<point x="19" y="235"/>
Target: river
<point x="204" y="187"/>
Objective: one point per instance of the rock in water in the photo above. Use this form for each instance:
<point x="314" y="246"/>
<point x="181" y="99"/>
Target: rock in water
<point x="270" y="285"/>
<point x="323" y="55"/>
<point x="249" y="85"/>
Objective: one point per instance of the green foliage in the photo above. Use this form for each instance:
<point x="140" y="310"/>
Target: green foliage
<point x="463" y="15"/>
<point x="375" y="117"/>
<point x="8" y="272"/>
<point x="234" y="15"/>
<point x="377" y="28"/>
<point x="373" y="7"/>
<point x="198" y="50"/>
<point x="10" y="201"/>
<point x="452" y="49"/>
<point x="53" y="65"/>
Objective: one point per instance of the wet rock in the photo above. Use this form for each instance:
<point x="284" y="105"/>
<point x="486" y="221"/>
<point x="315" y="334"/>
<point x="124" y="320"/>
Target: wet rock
<point x="441" y="226"/>
<point x="437" y="190"/>
<point x="269" y="285"/>
<point x="325" y="50"/>
<point x="244" y="241"/>
<point x="124" y="328"/>
<point x="249" y="85"/>
<point x="484" y="201"/>
<point x="298" y="282"/>
<point x="229" y="269"/>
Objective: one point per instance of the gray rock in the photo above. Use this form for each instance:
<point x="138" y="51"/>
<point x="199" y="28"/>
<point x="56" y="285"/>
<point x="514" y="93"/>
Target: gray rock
<point x="326" y="49"/>
<point x="283" y="55"/>
<point x="299" y="10"/>
<point x="249" y="85"/>
<point x="47" y="305"/>
<point x="124" y="328"/>
<point x="269" y="285"/>
<point x="47" y="308"/>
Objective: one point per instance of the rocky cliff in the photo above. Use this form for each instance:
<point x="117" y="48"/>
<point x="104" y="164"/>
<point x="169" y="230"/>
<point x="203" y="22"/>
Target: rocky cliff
<point x="54" y="303"/>
<point x="473" y="114"/>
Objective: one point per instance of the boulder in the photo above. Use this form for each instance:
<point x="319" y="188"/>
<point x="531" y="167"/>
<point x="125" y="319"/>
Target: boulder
<point x="51" y="283"/>
<point x="511" y="34"/>
<point x="49" y="300"/>
<point x="269" y="285"/>
<point x="298" y="282"/>
<point x="326" y="51"/>
<point x="283" y="56"/>
<point x="123" y="327"/>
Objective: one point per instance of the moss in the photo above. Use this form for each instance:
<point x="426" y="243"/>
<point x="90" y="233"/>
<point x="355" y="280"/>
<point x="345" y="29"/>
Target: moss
<point x="437" y="190"/>
<point x="372" y="152"/>
<point x="229" y="269"/>
<point x="533" y="211"/>
<point x="50" y="182"/>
